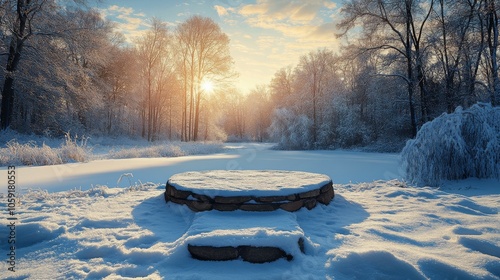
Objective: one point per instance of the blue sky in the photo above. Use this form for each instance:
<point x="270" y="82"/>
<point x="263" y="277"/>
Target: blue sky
<point x="266" y="35"/>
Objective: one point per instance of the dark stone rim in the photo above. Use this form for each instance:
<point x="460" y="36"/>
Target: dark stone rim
<point x="252" y="254"/>
<point x="199" y="202"/>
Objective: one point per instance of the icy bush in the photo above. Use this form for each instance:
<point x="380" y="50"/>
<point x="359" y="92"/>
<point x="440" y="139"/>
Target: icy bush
<point x="455" y="146"/>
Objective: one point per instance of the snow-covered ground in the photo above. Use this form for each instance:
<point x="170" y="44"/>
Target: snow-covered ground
<point x="108" y="219"/>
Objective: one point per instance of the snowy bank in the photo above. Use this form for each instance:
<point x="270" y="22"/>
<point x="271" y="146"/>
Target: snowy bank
<point x="376" y="227"/>
<point x="74" y="149"/>
<point x="379" y="230"/>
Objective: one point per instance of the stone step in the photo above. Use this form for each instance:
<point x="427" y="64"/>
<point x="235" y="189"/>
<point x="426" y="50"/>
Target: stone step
<point x="255" y="237"/>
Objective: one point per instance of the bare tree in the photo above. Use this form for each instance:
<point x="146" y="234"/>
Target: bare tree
<point x="396" y="27"/>
<point x="491" y="18"/>
<point x="258" y="111"/>
<point x="456" y="52"/>
<point x="205" y="55"/>
<point x="281" y="86"/>
<point x="314" y="70"/>
<point x="118" y="76"/>
<point x="23" y="15"/>
<point x="153" y="57"/>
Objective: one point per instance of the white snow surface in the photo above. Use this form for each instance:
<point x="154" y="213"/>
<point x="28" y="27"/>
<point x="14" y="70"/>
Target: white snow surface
<point x="248" y="182"/>
<point x="108" y="220"/>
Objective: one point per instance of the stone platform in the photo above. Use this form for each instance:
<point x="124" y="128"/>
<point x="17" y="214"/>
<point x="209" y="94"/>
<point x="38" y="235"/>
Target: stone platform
<point x="249" y="190"/>
<point x="253" y="221"/>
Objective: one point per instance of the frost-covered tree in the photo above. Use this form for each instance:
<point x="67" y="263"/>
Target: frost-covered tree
<point x="57" y="85"/>
<point x="291" y="131"/>
<point x="396" y="29"/>
<point x="313" y="73"/>
<point x="26" y="26"/>
<point x="455" y="146"/>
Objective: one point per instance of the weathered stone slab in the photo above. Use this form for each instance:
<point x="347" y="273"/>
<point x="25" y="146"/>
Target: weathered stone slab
<point x="301" y="245"/>
<point x="178" y="200"/>
<point x="209" y="253"/>
<point x="310" y="203"/>
<point x="268" y="199"/>
<point x="326" y="197"/>
<point x="326" y="187"/>
<point x="232" y="199"/>
<point x="309" y="194"/>
<point x="253" y="254"/>
<point x="225" y="207"/>
<point x="198" y="206"/>
<point x="173" y="192"/>
<point x="202" y="197"/>
<point x="259" y="207"/>
<point x="292" y="206"/>
<point x="261" y="254"/>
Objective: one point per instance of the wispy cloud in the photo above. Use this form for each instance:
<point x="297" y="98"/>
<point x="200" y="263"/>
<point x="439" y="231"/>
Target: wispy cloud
<point x="296" y="19"/>
<point x="130" y="23"/>
<point x="120" y="10"/>
<point x="221" y="11"/>
<point x="292" y="11"/>
<point x="278" y="33"/>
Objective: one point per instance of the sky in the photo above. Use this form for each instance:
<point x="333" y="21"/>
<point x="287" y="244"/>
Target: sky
<point x="265" y="35"/>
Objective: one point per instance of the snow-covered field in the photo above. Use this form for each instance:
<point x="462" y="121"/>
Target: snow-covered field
<point x="108" y="219"/>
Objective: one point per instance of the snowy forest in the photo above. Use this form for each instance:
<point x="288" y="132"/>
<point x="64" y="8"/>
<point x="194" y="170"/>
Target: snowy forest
<point x="402" y="64"/>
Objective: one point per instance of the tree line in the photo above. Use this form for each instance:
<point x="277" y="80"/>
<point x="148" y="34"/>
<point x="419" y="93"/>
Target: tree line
<point x="66" y="68"/>
<point x="404" y="63"/>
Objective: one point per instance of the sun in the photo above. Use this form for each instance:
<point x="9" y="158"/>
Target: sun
<point x="207" y="85"/>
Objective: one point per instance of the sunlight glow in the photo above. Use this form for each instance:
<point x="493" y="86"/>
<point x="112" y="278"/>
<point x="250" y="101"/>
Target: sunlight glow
<point x="207" y="86"/>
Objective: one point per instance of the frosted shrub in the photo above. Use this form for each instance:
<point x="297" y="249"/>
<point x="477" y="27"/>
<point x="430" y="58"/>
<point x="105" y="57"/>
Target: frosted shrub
<point x="351" y="131"/>
<point x="455" y="146"/>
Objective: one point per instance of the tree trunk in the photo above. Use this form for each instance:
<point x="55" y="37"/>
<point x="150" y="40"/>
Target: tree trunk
<point x="197" y="115"/>
<point x="15" y="50"/>
<point x="7" y="102"/>
<point x="413" y="121"/>
<point x="493" y="47"/>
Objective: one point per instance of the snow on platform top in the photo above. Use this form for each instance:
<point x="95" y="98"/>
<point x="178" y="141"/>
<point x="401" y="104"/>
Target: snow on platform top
<point x="248" y="182"/>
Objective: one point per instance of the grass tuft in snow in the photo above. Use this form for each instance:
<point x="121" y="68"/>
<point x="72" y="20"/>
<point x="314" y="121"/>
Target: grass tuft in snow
<point x="29" y="154"/>
<point x="72" y="150"/>
<point x="79" y="149"/>
<point x="96" y="191"/>
<point x="170" y="149"/>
